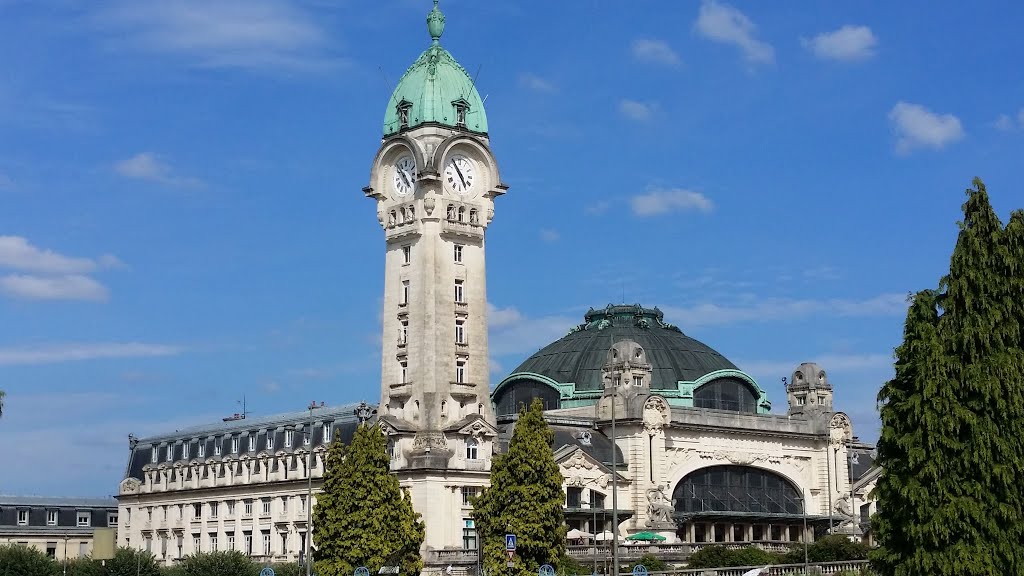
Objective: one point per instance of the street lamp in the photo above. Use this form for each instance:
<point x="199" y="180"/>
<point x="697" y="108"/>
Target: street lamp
<point x="593" y="526"/>
<point x="803" y="507"/>
<point x="309" y="487"/>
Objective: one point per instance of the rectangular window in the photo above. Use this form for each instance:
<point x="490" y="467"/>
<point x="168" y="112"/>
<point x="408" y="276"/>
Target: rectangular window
<point x="574" y="497"/>
<point x="248" y="543"/>
<point x="266" y="542"/>
<point x="284" y="505"/>
<point x="247" y="510"/>
<point x="170" y="453"/>
<point x="197" y="543"/>
<point x="51" y="549"/>
<point x="197" y="511"/>
<point x="460" y="331"/>
<point x="213" y="542"/>
<point x="231" y="540"/>
<point x="84" y="519"/>
<point x="51" y="517"/>
<point x="404" y="366"/>
<point x="460" y="371"/>
<point x="327" y="432"/>
<point x="458" y="253"/>
<point x="217" y="449"/>
<point x="405" y="293"/>
<point x="234" y="444"/>
<point x="406" y="254"/>
<point x="231" y="509"/>
<point x="83" y="549"/>
<point x="252" y="442"/>
<point x="306" y="435"/>
<point x="163" y="513"/>
<point x="154" y="454"/>
<point x="403" y="332"/>
<point x="302" y="504"/>
<point x="638" y="380"/>
<point x="201" y="450"/>
<point x="801" y="400"/>
<point x="289" y="436"/>
<point x="22" y="517"/>
<point x="821" y="400"/>
<point x="111" y="520"/>
<point x="266" y="507"/>
<point x="459" y="296"/>
<point x="270" y="440"/>
<point x="185" y="449"/>
<point x="468" y="493"/>
<point x="213" y="510"/>
<point x="468" y="534"/>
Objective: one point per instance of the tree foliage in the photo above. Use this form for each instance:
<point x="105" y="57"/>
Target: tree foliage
<point x="130" y="561"/>
<point x="952" y="438"/>
<point x="19" y="560"/>
<point x="832" y="548"/>
<point x="719" y="556"/>
<point x="219" y="563"/>
<point x="525" y="498"/>
<point x="363" y="517"/>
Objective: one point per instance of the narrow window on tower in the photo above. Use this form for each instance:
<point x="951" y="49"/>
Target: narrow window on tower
<point x="460" y="331"/>
<point x="459" y="296"/>
<point x="458" y="253"/>
<point x="406" y="254"/>
<point x="403" y="333"/>
<point x="404" y="366"/>
<point x="405" y="293"/>
<point x="403" y="113"/>
<point x="460" y="371"/>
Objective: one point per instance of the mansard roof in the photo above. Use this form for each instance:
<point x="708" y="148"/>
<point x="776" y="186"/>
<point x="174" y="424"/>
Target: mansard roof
<point x="56" y="502"/>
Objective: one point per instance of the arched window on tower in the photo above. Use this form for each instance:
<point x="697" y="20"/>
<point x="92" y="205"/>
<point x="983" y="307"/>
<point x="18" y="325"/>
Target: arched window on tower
<point x="473" y="218"/>
<point x="462" y="213"/>
<point x="451" y="212"/>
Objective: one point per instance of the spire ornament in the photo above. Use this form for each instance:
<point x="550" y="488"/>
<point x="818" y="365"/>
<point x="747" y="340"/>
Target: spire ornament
<point x="435" y="24"/>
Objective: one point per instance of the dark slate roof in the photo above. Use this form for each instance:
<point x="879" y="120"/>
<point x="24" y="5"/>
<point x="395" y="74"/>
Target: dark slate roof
<point x="57" y="502"/>
<point x="569" y="434"/>
<point x="861" y="461"/>
<point x="579" y="356"/>
<point x="342" y="419"/>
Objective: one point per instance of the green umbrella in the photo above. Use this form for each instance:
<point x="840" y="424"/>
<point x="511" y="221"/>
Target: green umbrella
<point x="646" y="536"/>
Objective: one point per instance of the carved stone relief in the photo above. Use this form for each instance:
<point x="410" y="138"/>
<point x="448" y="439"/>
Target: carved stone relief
<point x="656" y="414"/>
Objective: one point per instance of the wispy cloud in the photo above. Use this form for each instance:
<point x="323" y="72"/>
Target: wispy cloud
<point x="549" y="235"/>
<point x="917" y="127"/>
<point x="511" y="332"/>
<point x="597" y="208"/>
<point x="65" y="287"/>
<point x="772" y="309"/>
<point x="1004" y="122"/>
<point x="152" y="168"/>
<point x="244" y="34"/>
<point x="636" y="110"/>
<point x="721" y="22"/>
<point x="49" y="275"/>
<point x="70" y="352"/>
<point x="654" y="51"/>
<point x="849" y="43"/>
<point x="536" y="83"/>
<point x="666" y="200"/>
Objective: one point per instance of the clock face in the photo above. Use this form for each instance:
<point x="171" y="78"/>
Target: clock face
<point x="405" y="175"/>
<point x="459" y="173"/>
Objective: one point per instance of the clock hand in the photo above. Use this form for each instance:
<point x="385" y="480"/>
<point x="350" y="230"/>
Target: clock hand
<point x="405" y="177"/>
<point x="461" y="177"/>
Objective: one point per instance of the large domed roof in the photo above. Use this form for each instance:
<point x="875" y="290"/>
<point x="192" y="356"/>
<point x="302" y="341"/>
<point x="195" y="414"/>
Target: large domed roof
<point x="434" y="88"/>
<point x="579" y="356"/>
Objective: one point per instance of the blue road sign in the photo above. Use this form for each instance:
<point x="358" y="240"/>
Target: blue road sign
<point x="362" y="571"/>
<point x="268" y="571"/>
<point x="510" y="542"/>
<point x="546" y="570"/>
<point x="639" y="570"/>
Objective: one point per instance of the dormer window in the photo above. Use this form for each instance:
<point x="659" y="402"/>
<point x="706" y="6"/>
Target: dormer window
<point x="461" y="109"/>
<point x="404" y="107"/>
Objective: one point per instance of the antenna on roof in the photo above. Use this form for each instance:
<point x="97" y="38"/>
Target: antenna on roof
<point x="236" y="415"/>
<point x="387" y="83"/>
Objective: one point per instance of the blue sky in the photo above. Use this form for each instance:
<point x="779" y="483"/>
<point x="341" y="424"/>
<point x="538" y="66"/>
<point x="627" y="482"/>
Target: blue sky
<point x="182" y="222"/>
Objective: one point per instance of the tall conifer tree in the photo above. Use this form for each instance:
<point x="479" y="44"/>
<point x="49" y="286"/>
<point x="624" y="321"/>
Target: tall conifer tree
<point x="950" y="499"/>
<point x="525" y="498"/>
<point x="363" y="517"/>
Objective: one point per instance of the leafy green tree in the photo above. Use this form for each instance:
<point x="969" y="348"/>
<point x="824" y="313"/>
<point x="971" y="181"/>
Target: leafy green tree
<point x="219" y="563"/>
<point x="20" y="560"/>
<point x="525" y="498"/>
<point x="288" y="569"/>
<point x="363" y="517"/>
<point x="718" y="556"/>
<point x="651" y="562"/>
<point x="952" y="433"/>
<point x="84" y="567"/>
<point x="130" y="561"/>
<point x="832" y="548"/>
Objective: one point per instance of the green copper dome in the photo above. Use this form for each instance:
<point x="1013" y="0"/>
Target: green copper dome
<point x="435" y="89"/>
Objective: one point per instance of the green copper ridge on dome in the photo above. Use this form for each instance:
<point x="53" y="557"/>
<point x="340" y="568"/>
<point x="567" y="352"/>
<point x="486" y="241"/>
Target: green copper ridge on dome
<point x="434" y="89"/>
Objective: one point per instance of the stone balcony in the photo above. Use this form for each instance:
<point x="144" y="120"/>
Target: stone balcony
<point x="463" y="229"/>
<point x="462" y="389"/>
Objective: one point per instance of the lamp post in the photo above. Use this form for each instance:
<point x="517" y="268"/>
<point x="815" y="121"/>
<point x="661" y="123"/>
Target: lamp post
<point x="593" y="526"/>
<point x="803" y="506"/>
<point x="309" y="489"/>
<point x="615" y="486"/>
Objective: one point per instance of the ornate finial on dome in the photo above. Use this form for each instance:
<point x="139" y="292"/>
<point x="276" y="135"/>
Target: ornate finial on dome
<point x="435" y="23"/>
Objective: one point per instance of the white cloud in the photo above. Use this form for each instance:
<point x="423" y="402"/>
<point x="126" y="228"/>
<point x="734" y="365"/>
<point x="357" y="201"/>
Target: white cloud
<point x="764" y="369"/>
<point x="510" y="332"/>
<point x="599" y="207"/>
<point x="66" y="287"/>
<point x="663" y="201"/>
<point x="783" y="309"/>
<point x="1004" y="123"/>
<point x="723" y="23"/>
<point x="57" y="353"/>
<point x="636" y="110"/>
<point x="848" y="43"/>
<point x="245" y="34"/>
<point x="150" y="167"/>
<point x="918" y="127"/>
<point x="536" y="83"/>
<point x="655" y="51"/>
<point x="18" y="253"/>
<point x="549" y="235"/>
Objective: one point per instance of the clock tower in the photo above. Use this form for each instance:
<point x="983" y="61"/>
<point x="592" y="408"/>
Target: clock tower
<point x="434" y="181"/>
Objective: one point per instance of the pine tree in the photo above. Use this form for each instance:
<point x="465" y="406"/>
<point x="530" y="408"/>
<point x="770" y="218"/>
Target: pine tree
<point x="363" y="517"/>
<point x="952" y="438"/>
<point x="525" y="498"/>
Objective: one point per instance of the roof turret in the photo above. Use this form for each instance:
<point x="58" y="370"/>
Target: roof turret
<point x="435" y="90"/>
